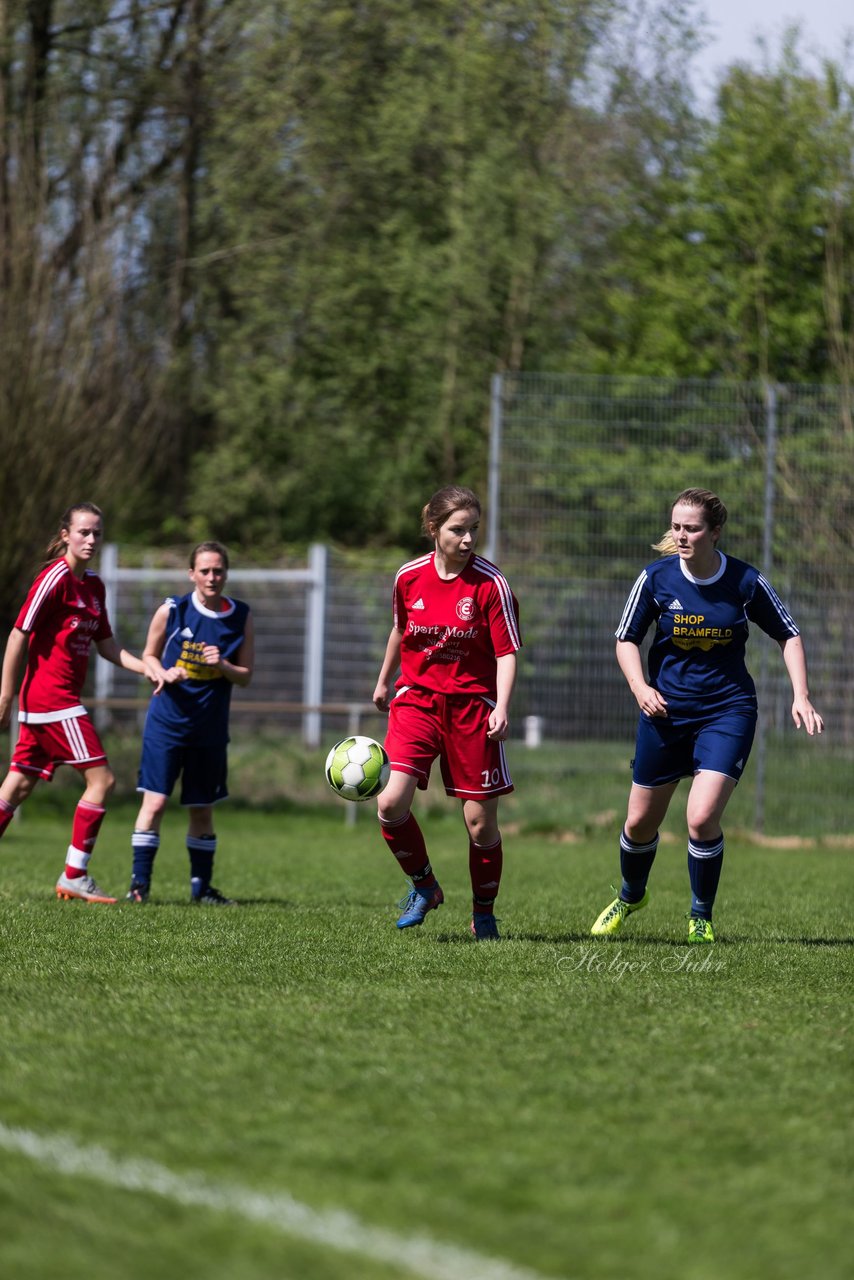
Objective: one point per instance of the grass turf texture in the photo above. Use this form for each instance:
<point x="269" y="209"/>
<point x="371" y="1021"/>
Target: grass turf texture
<point x="584" y="1109"/>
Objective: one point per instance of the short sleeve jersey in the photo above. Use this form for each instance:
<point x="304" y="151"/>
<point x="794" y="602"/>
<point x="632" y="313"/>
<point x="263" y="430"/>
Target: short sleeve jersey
<point x="697" y="655"/>
<point x="195" y="711"/>
<point x="454" y="629"/>
<point x="62" y="615"/>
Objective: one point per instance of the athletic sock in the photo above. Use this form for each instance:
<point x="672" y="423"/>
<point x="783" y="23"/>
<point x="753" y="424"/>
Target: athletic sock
<point x="76" y="862"/>
<point x="144" y="845"/>
<point x="7" y="813"/>
<point x="636" y="859"/>
<point x="406" y="840"/>
<point x="485" y="866"/>
<point x="705" y="860"/>
<point x="201" y="850"/>
<point x="84" y="832"/>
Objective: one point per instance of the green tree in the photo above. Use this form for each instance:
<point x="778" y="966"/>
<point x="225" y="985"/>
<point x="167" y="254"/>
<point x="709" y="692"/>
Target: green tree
<point x="383" y="190"/>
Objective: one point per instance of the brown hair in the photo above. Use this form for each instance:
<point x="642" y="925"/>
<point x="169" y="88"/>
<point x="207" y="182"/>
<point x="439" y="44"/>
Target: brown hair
<point x="57" y="545"/>
<point x="444" y="503"/>
<point x="215" y="547"/>
<point x="714" y="515"/>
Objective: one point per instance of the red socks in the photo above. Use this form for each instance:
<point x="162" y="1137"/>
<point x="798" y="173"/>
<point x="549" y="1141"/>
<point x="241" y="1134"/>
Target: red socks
<point x="84" y="832"/>
<point x="485" y="866"/>
<point x="7" y="813"/>
<point x="406" y="840"/>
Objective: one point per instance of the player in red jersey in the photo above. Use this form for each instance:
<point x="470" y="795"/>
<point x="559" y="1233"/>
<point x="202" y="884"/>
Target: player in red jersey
<point x="63" y="615"/>
<point x="455" y="638"/>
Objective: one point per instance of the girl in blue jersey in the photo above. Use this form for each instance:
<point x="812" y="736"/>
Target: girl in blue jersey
<point x="698" y="707"/>
<point x="201" y="644"/>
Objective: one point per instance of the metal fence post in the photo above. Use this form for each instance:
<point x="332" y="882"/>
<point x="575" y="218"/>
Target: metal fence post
<point x="315" y="623"/>
<point x="770" y="392"/>
<point x="494" y="480"/>
<point x="105" y="671"/>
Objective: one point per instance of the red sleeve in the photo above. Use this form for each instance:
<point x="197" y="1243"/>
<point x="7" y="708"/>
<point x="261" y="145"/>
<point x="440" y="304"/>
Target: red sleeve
<point x="104" y="631"/>
<point x="503" y="617"/>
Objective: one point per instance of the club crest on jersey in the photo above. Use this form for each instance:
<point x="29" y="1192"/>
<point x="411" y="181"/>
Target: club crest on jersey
<point x="466" y="609"/>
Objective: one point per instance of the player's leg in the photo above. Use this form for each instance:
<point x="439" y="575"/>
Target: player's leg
<point x="474" y="768"/>
<point x="662" y="758"/>
<point x="204" y="784"/>
<point x="412" y="743"/>
<point x="13" y="791"/>
<point x="145" y="843"/>
<point x="159" y="768"/>
<point x="486" y="862"/>
<point x="721" y="752"/>
<point x="75" y="881"/>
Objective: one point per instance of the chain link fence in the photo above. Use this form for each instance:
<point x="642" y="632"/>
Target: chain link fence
<point x="582" y="475"/>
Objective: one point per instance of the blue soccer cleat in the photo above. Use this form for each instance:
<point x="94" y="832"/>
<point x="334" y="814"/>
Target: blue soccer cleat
<point x="419" y="902"/>
<point x="485" y="927"/>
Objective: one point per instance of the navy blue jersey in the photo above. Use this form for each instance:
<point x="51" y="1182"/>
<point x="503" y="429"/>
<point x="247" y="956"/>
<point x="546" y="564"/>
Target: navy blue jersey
<point x="696" y="659"/>
<point x="195" y="712"/>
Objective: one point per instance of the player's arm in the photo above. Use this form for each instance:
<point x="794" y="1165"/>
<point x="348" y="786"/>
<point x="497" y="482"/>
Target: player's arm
<point x="631" y="664"/>
<point x="152" y="651"/>
<point x="239" y="672"/>
<point x="16" y="648"/>
<point x="113" y="652"/>
<point x="391" y="662"/>
<point x="505" y="682"/>
<point x="803" y="711"/>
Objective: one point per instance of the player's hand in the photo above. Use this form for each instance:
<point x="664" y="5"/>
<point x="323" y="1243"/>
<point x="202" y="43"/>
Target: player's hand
<point x="804" y="713"/>
<point x="175" y="675"/>
<point x="650" y="701"/>
<point x="154" y="674"/>
<point x="211" y="655"/>
<point x="380" y="697"/>
<point x="498" y="726"/>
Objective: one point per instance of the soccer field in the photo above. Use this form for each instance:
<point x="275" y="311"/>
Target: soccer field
<point x="295" y="1089"/>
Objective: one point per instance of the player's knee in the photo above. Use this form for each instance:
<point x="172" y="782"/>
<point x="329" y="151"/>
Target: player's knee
<point x="108" y="783"/>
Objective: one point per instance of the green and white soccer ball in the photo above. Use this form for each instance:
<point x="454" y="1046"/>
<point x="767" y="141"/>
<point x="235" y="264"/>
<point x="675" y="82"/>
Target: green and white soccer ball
<point x="357" y="768"/>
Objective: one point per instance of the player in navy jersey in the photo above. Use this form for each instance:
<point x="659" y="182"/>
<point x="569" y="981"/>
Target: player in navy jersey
<point x="455" y="638"/>
<point x="64" y="614"/>
<point x="200" y="644"/>
<point x="698" y="706"/>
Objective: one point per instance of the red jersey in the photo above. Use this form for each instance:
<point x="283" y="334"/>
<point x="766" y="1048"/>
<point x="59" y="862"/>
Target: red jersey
<point x="454" y="629"/>
<point x="63" y="616"/>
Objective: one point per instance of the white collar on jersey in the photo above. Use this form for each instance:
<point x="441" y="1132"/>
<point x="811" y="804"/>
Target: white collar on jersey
<point x="704" y="582"/>
<point x="209" y="613"/>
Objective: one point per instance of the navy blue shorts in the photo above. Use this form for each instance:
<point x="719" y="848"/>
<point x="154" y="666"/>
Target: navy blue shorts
<point x="203" y="771"/>
<point x="667" y="750"/>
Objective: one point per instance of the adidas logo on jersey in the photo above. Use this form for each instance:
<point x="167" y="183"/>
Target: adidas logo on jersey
<point x="419" y="604"/>
<point x="187" y="633"/>
<point x="674" y="604"/>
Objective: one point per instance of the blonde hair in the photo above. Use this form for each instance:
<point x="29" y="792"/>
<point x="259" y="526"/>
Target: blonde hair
<point x="714" y="515"/>
<point x="444" y="503"/>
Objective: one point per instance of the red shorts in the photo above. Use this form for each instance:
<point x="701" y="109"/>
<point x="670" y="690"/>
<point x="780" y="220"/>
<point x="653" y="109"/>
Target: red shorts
<point x="41" y="747"/>
<point x="423" y="725"/>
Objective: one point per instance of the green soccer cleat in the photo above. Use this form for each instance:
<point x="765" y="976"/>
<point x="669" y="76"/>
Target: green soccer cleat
<point x="610" y="922"/>
<point x="700" y="930"/>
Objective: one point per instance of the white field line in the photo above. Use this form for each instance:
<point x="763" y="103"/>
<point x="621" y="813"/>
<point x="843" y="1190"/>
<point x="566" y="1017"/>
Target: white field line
<point x="332" y="1228"/>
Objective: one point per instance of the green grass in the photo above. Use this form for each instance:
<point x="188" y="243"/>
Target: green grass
<point x="589" y="1111"/>
<point x="578" y="788"/>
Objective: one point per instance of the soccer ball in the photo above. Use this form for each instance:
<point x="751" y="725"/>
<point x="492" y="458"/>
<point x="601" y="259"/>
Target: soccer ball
<point x="357" y="768"/>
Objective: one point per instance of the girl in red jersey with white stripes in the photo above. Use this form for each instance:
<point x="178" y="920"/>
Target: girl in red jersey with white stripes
<point x="455" y="638"/>
<point x="63" y="615"/>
